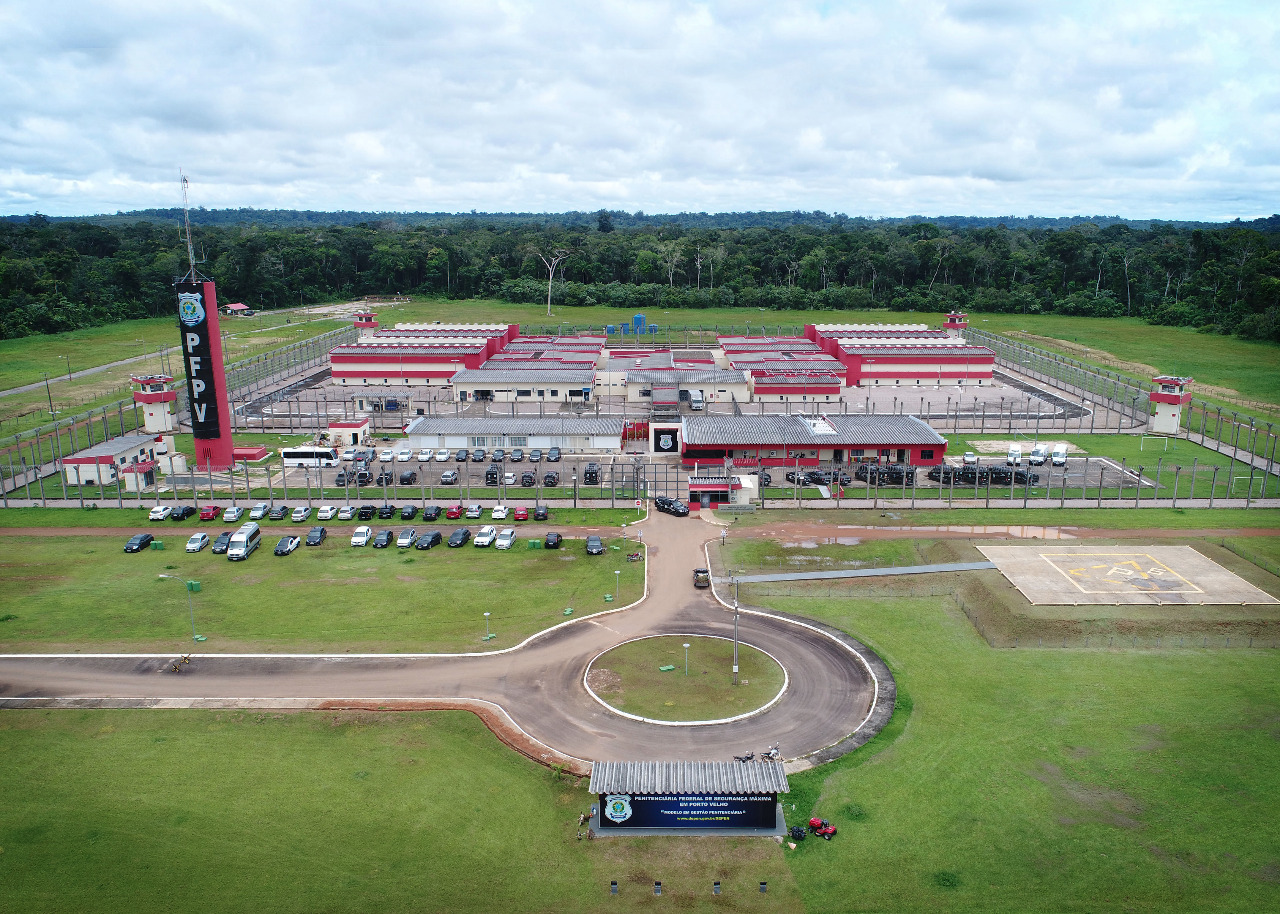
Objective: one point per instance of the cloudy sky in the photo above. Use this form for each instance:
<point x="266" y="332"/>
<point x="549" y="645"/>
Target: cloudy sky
<point x="1162" y="109"/>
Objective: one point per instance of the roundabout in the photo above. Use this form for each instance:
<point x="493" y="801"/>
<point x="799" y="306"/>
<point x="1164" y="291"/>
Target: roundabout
<point x="838" y="692"/>
<point x="644" y="680"/>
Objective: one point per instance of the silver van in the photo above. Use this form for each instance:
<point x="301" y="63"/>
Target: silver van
<point x="1059" y="456"/>
<point x="1014" y="457"/>
<point x="696" y="400"/>
<point x="1039" y="454"/>
<point x="243" y="542"/>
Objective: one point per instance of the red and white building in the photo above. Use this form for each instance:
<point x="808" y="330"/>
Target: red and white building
<point x="130" y="459"/>
<point x="1167" y="403"/>
<point x="809" y="441"/>
<point x="908" y="356"/>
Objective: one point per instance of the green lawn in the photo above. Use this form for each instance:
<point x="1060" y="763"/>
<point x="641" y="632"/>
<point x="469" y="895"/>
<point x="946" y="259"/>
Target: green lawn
<point x="1097" y="518"/>
<point x="87" y="593"/>
<point x="629" y="678"/>
<point x="1130" y="448"/>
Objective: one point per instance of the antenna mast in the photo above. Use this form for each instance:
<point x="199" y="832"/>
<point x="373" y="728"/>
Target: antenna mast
<point x="191" y="276"/>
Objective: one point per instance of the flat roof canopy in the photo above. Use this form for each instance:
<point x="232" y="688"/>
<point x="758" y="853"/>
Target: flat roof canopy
<point x="688" y="777"/>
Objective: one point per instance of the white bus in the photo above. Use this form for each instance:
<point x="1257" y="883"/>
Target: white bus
<point x="309" y="456"/>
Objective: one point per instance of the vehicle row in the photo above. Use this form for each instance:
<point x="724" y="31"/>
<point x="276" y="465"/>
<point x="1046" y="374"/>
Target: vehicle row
<point x="488" y="535"/>
<point x="405" y="454"/>
<point x="978" y="475"/>
<point x="302" y="513"/>
<point x="410" y="538"/>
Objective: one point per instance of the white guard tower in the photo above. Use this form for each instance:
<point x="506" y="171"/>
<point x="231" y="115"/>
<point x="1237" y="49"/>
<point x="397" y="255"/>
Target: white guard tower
<point x="1167" y="402"/>
<point x="155" y="394"/>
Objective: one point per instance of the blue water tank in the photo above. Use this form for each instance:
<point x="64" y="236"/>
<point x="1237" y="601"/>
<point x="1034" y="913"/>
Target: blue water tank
<point x="610" y="328"/>
<point x="638" y="321"/>
<point x="625" y="329"/>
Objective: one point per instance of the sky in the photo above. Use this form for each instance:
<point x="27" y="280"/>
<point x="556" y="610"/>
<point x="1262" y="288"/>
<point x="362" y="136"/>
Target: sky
<point x="1163" y="109"/>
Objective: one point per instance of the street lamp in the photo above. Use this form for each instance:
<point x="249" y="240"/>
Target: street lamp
<point x="191" y="587"/>
<point x="686" y="658"/>
<point x="617" y="583"/>
<point x="735" y="631"/>
<point x="68" y="360"/>
<point x="575" y="488"/>
<point x="486" y="625"/>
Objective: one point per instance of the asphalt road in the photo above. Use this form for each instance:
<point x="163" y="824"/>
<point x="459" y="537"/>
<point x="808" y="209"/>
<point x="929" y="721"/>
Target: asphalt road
<point x="539" y="685"/>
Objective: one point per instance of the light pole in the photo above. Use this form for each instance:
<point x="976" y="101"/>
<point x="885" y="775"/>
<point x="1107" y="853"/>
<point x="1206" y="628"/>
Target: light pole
<point x="486" y="626"/>
<point x="68" y="360"/>
<point x="191" y="587"/>
<point x="735" y="631"/>
<point x="48" y="393"/>
<point x="686" y="658"/>
<point x="575" y="488"/>
<point x="617" y="583"/>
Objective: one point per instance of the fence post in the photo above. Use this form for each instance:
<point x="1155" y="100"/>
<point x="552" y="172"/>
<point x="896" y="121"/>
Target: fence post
<point x="1213" y="486"/>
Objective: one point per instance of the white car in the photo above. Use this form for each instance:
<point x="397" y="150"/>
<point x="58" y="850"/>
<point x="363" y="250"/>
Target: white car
<point x="500" y="512"/>
<point x="327" y="512"/>
<point x="488" y="533"/>
<point x="362" y="536"/>
<point x="386" y="456"/>
<point x="300" y="513"/>
<point x="508" y="479"/>
<point x="160" y="512"/>
<point x="424" y="455"/>
<point x="406" y="538"/>
<point x="506" y="539"/>
<point x="444" y="455"/>
<point x="404" y="455"/>
<point x="197" y="542"/>
<point x="349" y="454"/>
<point x="259" y="511"/>
<point x="347" y="512"/>
<point x="970" y="459"/>
<point x="233" y="514"/>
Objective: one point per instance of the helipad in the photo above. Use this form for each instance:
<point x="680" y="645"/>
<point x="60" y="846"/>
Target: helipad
<point x="1095" y="574"/>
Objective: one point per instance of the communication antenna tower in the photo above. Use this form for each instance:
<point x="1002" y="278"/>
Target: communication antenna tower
<point x="192" y="275"/>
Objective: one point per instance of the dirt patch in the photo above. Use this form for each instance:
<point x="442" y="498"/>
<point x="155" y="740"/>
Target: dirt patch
<point x="1001" y="446"/>
<point x="604" y="681"/>
<point x="1270" y="873"/>
<point x="1088" y="803"/>
<point x="1153" y="738"/>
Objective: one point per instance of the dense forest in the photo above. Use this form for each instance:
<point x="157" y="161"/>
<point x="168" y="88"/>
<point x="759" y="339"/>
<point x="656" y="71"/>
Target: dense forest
<point x="65" y="274"/>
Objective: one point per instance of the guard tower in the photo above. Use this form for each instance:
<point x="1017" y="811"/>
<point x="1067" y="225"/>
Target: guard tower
<point x="1167" y="402"/>
<point x="155" y="394"/>
<point x="956" y="324"/>
<point x="366" y="323"/>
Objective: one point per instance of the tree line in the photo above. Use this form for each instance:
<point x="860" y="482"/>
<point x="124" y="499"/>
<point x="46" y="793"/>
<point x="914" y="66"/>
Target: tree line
<point x="60" y="275"/>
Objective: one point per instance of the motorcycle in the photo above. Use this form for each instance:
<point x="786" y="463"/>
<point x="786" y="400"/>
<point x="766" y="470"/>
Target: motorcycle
<point x="750" y="756"/>
<point x="772" y="754"/>
<point x="633" y="556"/>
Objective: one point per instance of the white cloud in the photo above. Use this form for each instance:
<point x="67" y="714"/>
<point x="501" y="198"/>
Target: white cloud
<point x="1154" y="108"/>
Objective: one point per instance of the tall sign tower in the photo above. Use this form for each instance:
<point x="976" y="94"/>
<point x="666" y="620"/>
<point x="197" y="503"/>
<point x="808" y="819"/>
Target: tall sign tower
<point x="201" y="344"/>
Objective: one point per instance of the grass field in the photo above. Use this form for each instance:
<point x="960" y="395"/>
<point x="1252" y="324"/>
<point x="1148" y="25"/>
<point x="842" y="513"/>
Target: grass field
<point x="628" y="678"/>
<point x="1130" y="448"/>
<point x="85" y="592"/>
<point x="1097" y="518"/>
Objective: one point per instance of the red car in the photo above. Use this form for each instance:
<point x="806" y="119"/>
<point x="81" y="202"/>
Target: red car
<point x="454" y="512"/>
<point x="521" y="514"/>
<point x="210" y="512"/>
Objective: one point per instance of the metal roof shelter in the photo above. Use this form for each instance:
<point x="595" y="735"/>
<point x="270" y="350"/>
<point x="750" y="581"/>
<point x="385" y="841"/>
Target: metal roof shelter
<point x="553" y="373"/>
<point x="802" y="430"/>
<point x="654" y="778"/>
<point x="514" y="425"/>
<point x="684" y="376"/>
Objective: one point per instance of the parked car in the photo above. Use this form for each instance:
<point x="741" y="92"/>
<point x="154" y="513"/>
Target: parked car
<point x="528" y="479"/>
<point x="426" y="454"/>
<point x="139" y="542"/>
<point x="506" y="539"/>
<point x="552" y="541"/>
<point x="428" y="539"/>
<point x="535" y="455"/>
<point x="520" y="514"/>
<point x="349" y="454"/>
<point x="344" y="478"/>
<point x="408" y="478"/>
<point x="551" y="479"/>
<point x="500" y="512"/>
<point x="386" y="455"/>
<point x="408" y="512"/>
<point x="672" y="506"/>
<point x="459" y="537"/>
<point x="287" y="544"/>
<point x="492" y="474"/>
<point x="220" y="542"/>
<point x="232" y="514"/>
<point x="259" y="511"/>
<point x="591" y="475"/>
<point x="1039" y="454"/>
<point x="406" y="538"/>
<point x="361" y="536"/>
<point x="553" y="455"/>
<point x="508" y="479"/>
<point x="404" y="455"/>
<point x="474" y="512"/>
<point x="541" y="513"/>
<point x="595" y="545"/>
<point x="363" y="478"/>
<point x="300" y="514"/>
<point x="197" y="542"/>
<point x="701" y="577"/>
<point x="383" y="539"/>
<point x="182" y="512"/>
<point x="517" y="455"/>
<point x="431" y="512"/>
<point x="367" y="512"/>
<point x="386" y="512"/>
<point x="766" y="478"/>
<point x="327" y="512"/>
<point x="478" y="455"/>
<point x="316" y="535"/>
<point x="462" y="455"/>
<point x="347" y="512"/>
<point x="385" y="478"/>
<point x="499" y="455"/>
<point x="970" y="459"/>
<point x="279" y="512"/>
<point x="210" y="512"/>
<point x="486" y="535"/>
<point x="449" y="478"/>
<point x="443" y="455"/>
<point x="160" y="512"/>
<point x="454" y="512"/>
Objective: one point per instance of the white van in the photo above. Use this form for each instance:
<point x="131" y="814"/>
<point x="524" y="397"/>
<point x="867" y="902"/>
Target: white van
<point x="243" y="542"/>
<point x="1014" y="457"/>
<point x="1059" y="456"/>
<point x="1039" y="454"/>
<point x="696" y="400"/>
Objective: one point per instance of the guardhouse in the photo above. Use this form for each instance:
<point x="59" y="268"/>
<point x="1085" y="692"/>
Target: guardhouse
<point x="1167" y="402"/>
<point x="155" y="394"/>
<point x="956" y="324"/>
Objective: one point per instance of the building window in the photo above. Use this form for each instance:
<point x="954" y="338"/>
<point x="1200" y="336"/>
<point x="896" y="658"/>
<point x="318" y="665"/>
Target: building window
<point x="555" y="393"/>
<point x="524" y="393"/>
<point x="926" y="455"/>
<point x="856" y="452"/>
<point x="479" y="441"/>
<point x="518" y="441"/>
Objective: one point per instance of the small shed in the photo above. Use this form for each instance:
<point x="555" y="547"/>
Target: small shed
<point x="674" y="797"/>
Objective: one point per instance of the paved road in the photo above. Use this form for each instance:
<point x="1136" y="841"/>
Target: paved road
<point x="830" y="694"/>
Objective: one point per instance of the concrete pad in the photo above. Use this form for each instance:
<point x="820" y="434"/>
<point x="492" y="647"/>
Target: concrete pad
<point x="1074" y="575"/>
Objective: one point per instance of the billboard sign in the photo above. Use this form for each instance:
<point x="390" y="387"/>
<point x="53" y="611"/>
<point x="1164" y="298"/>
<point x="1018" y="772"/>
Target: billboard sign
<point x="197" y="356"/>
<point x="621" y="810"/>
<point x="667" y="440"/>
